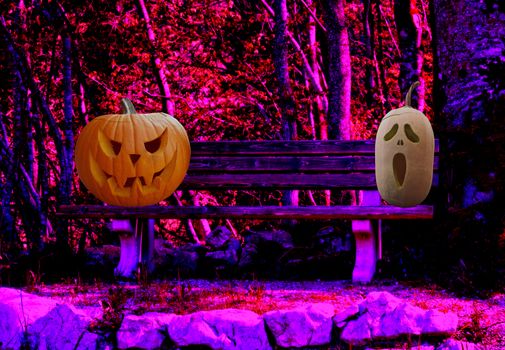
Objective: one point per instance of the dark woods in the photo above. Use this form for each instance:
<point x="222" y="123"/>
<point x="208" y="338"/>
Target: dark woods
<point x="232" y="70"/>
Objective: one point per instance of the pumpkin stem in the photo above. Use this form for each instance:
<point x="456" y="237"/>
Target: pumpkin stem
<point x="127" y="106"/>
<point x="408" y="98"/>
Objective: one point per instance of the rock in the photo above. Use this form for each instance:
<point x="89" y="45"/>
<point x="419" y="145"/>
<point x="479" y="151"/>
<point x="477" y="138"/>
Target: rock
<point x="405" y="319"/>
<point x="436" y="322"/>
<point x="280" y="237"/>
<point x="264" y="248"/>
<point x="220" y="329"/>
<point x="101" y="261"/>
<point x="186" y="259"/>
<point x="377" y="304"/>
<point x="358" y="332"/>
<point x="91" y="312"/>
<point x="332" y="241"/>
<point x="161" y="246"/>
<point x="18" y="311"/>
<point x="383" y="316"/>
<point x="147" y="331"/>
<point x="11" y="328"/>
<point x="345" y="316"/>
<point x="406" y="346"/>
<point x="248" y="256"/>
<point x="41" y="323"/>
<point x="451" y="344"/>
<point x="218" y="237"/>
<point x="310" y="325"/>
<point x="62" y="328"/>
<point x="227" y="257"/>
<point x="163" y="256"/>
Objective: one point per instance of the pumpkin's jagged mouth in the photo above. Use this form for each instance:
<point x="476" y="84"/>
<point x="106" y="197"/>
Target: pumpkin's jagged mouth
<point x="130" y="181"/>
<point x="137" y="184"/>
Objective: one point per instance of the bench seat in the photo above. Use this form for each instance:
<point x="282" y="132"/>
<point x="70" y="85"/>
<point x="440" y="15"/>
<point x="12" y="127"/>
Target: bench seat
<point x="265" y="212"/>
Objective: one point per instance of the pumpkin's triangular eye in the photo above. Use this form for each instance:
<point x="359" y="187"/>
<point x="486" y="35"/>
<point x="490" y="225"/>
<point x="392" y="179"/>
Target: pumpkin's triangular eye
<point x="108" y="146"/>
<point x="159" y="142"/>
<point x="411" y="135"/>
<point x="116" y="147"/>
<point x="389" y="135"/>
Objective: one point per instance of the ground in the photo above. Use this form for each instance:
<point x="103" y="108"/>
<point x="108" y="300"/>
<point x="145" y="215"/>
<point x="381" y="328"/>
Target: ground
<point x="480" y="320"/>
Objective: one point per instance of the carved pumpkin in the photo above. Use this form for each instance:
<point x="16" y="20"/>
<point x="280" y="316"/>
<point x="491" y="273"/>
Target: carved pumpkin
<point x="404" y="153"/>
<point x="132" y="159"/>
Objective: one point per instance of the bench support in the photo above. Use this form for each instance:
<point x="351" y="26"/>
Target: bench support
<point x="365" y="233"/>
<point x="136" y="238"/>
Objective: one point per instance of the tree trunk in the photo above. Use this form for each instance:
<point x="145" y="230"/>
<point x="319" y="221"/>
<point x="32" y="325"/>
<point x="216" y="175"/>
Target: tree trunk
<point x="18" y="162"/>
<point x="380" y="60"/>
<point x="314" y="108"/>
<point x="42" y="184"/>
<point x="166" y="98"/>
<point x="66" y="178"/>
<point x="339" y="73"/>
<point x="367" y="20"/>
<point x="408" y="24"/>
<point x="7" y="185"/>
<point x="320" y="107"/>
<point x="339" y="70"/>
<point x="26" y="124"/>
<point x="286" y="100"/>
<point x="286" y="103"/>
<point x="469" y="106"/>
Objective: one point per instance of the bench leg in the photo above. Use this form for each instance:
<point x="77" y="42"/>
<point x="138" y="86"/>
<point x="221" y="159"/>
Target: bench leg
<point x="365" y="234"/>
<point x="137" y="245"/>
<point x="366" y="250"/>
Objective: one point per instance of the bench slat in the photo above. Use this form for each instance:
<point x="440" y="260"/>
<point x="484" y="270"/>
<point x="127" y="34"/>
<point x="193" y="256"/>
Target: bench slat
<point x="251" y="148"/>
<point x="267" y="212"/>
<point x="282" y="181"/>
<point x="230" y="164"/>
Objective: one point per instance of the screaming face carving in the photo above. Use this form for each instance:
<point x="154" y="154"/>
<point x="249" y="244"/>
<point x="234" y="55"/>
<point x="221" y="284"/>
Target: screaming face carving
<point x="132" y="159"/>
<point x="399" y="163"/>
<point x="404" y="153"/>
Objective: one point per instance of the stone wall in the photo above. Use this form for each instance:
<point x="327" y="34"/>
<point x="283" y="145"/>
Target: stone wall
<point x="35" y="322"/>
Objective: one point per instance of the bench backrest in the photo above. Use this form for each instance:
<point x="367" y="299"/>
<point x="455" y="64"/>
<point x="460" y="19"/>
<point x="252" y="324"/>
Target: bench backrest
<point x="284" y="165"/>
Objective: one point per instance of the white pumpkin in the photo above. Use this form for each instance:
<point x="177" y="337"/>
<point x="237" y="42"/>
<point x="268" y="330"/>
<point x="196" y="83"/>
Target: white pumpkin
<point x="404" y="154"/>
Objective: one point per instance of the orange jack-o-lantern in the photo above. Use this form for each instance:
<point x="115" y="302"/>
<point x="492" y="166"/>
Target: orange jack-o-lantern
<point x="404" y="152"/>
<point x="132" y="159"/>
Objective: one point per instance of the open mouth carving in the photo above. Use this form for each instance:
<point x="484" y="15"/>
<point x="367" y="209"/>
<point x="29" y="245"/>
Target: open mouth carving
<point x="131" y="180"/>
<point x="399" y="168"/>
<point x="138" y="184"/>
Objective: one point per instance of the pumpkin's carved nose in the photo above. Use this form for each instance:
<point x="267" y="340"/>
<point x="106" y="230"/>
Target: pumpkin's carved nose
<point x="134" y="158"/>
<point x="400" y="142"/>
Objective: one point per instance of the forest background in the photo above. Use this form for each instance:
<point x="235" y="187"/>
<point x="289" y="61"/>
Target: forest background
<point x="257" y="70"/>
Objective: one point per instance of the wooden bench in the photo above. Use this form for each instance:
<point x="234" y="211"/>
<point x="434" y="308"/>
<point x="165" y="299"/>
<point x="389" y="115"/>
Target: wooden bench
<point x="276" y="165"/>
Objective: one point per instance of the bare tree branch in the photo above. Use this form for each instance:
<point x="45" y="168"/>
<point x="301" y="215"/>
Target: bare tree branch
<point x="306" y="64"/>
<point x="313" y="15"/>
<point x="167" y="103"/>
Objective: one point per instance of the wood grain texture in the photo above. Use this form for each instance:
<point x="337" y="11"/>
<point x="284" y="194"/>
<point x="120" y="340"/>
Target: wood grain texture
<point x="267" y="212"/>
<point x="262" y="163"/>
<point x="308" y="147"/>
<point x="282" y="181"/>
